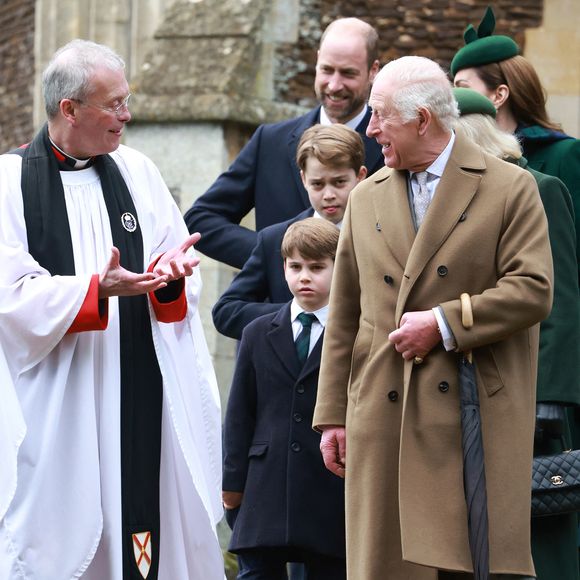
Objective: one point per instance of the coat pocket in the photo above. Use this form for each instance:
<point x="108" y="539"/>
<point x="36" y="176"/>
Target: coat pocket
<point x="257" y="449"/>
<point x="488" y="370"/>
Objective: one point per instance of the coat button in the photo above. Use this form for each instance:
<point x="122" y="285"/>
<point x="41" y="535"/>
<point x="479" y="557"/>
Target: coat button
<point x="300" y="389"/>
<point x="297" y="417"/>
<point x="463" y="217"/>
<point x="295" y="446"/>
<point x="443" y="386"/>
<point x="388" y="280"/>
<point x="442" y="271"/>
<point x="393" y="396"/>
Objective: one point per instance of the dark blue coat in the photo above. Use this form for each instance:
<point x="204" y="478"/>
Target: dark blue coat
<point x="264" y="176"/>
<point x="271" y="452"/>
<point x="260" y="287"/>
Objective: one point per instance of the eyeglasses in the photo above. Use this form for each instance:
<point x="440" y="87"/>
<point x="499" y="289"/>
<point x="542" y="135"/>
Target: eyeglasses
<point x="120" y="108"/>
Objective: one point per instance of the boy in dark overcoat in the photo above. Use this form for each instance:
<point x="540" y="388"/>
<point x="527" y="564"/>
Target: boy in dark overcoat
<point x="284" y="505"/>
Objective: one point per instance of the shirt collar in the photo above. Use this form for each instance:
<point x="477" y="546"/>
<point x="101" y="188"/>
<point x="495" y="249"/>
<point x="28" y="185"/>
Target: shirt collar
<point x="321" y="314"/>
<point x="438" y="166"/>
<point x="352" y="124"/>
<point x="317" y="215"/>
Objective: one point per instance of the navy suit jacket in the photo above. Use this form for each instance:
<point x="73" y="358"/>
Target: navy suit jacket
<point x="271" y="452"/>
<point x="261" y="278"/>
<point x="264" y="176"/>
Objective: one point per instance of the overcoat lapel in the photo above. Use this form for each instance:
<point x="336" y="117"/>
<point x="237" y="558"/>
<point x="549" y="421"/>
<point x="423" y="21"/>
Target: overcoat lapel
<point x="449" y="207"/>
<point x="311" y="118"/>
<point x="394" y="221"/>
<point x="312" y="363"/>
<point x="282" y="340"/>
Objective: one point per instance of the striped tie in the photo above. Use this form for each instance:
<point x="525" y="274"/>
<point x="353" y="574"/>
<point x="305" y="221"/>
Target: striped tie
<point x="303" y="339"/>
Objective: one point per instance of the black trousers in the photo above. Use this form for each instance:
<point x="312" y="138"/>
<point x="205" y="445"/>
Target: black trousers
<point x="271" y="564"/>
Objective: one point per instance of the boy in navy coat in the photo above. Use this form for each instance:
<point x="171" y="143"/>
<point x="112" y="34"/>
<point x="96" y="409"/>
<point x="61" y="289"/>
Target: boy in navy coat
<point x="283" y="504"/>
<point x="331" y="162"/>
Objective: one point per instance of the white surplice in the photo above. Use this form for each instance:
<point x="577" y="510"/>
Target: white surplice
<point x="60" y="484"/>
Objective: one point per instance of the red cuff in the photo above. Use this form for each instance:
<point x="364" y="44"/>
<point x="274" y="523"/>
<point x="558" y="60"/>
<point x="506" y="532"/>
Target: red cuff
<point x="94" y="313"/>
<point x="172" y="311"/>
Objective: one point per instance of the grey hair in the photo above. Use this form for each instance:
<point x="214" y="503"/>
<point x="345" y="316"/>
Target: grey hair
<point x="421" y="82"/>
<point x="68" y="74"/>
<point x="483" y="131"/>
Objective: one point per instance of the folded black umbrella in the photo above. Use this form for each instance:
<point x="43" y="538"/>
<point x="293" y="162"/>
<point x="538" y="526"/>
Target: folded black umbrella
<point x="473" y="457"/>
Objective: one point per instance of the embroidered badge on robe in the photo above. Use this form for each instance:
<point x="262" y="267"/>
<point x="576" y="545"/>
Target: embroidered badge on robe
<point x="129" y="222"/>
<point x="142" y="552"/>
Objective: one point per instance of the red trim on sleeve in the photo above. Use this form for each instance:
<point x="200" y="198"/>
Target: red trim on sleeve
<point x="94" y="313"/>
<point x="173" y="311"/>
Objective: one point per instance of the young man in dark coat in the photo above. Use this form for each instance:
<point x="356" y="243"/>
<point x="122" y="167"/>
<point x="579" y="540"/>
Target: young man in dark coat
<point x="331" y="161"/>
<point x="277" y="492"/>
<point x="264" y="176"/>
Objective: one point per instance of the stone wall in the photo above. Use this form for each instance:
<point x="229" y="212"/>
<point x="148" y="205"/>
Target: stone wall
<point x="432" y="28"/>
<point x="16" y="72"/>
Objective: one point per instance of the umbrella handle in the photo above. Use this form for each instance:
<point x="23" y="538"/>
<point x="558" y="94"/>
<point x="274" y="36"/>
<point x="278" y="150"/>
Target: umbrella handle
<point x="466" y="318"/>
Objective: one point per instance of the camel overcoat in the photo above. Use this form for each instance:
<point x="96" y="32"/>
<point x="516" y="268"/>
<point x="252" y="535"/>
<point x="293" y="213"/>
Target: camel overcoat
<point x="485" y="233"/>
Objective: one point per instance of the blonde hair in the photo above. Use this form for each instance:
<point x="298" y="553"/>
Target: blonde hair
<point x="483" y="131"/>
<point x="333" y="145"/>
<point x="312" y="238"/>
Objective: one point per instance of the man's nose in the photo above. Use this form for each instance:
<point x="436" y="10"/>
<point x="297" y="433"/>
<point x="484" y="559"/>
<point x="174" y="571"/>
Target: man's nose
<point x="335" y="82"/>
<point x="372" y="127"/>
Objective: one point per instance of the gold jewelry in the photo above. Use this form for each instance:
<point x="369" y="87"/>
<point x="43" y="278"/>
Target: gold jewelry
<point x="418" y="360"/>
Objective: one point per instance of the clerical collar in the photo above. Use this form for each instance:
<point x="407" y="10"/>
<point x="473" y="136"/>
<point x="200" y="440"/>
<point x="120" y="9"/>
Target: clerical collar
<point x="352" y="124"/>
<point x="67" y="162"/>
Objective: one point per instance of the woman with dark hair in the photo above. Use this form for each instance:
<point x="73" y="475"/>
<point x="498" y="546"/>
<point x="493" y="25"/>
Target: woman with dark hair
<point x="491" y="65"/>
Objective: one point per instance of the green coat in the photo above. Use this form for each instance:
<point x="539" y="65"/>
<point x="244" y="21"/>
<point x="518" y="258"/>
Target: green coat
<point x="555" y="154"/>
<point x="554" y="538"/>
<point x="559" y="356"/>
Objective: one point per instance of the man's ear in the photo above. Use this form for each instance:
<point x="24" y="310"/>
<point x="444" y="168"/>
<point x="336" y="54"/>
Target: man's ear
<point x="424" y="119"/>
<point x="303" y="178"/>
<point x="375" y="68"/>
<point x="68" y="110"/>
<point x="362" y="173"/>
<point x="500" y="96"/>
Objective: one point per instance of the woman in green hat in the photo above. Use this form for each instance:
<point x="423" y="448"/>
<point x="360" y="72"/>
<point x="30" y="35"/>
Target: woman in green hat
<point x="554" y="537"/>
<point x="491" y="65"/>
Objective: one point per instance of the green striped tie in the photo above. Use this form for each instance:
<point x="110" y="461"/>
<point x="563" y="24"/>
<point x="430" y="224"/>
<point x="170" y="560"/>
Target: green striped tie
<point x="303" y="339"/>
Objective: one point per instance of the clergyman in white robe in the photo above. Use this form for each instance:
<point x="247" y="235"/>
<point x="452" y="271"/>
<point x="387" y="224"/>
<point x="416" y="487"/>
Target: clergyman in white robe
<point x="60" y="499"/>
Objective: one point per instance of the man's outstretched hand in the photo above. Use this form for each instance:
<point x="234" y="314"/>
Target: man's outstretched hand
<point x="176" y="263"/>
<point x="172" y="265"/>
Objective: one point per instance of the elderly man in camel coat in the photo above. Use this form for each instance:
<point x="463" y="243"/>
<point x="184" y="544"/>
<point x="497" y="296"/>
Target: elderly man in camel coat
<point x="392" y="426"/>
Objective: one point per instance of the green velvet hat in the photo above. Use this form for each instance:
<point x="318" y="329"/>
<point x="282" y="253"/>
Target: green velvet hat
<point x="482" y="47"/>
<point x="471" y="102"/>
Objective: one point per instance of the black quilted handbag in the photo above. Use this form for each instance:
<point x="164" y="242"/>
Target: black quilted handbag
<point x="556" y="484"/>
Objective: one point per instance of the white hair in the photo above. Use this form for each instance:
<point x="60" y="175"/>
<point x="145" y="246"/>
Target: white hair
<point x="483" y="131"/>
<point x="68" y="74"/>
<point x="421" y="82"/>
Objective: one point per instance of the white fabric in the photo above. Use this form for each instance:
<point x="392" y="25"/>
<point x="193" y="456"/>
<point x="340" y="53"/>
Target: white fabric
<point x="352" y="124"/>
<point x="64" y="518"/>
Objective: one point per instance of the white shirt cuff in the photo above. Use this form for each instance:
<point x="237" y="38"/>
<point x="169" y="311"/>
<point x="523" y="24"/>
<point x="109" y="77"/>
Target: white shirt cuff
<point x="446" y="334"/>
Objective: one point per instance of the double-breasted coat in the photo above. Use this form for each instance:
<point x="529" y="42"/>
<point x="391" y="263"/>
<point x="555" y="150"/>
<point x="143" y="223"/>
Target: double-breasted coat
<point x="271" y="453"/>
<point x="485" y="233"/>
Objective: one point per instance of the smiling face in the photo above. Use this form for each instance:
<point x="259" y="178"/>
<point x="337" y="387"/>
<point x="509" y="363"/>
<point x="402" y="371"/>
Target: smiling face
<point x="309" y="280"/>
<point x="399" y="140"/>
<point x="329" y="187"/>
<point x="343" y="78"/>
<point x="96" y="131"/>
